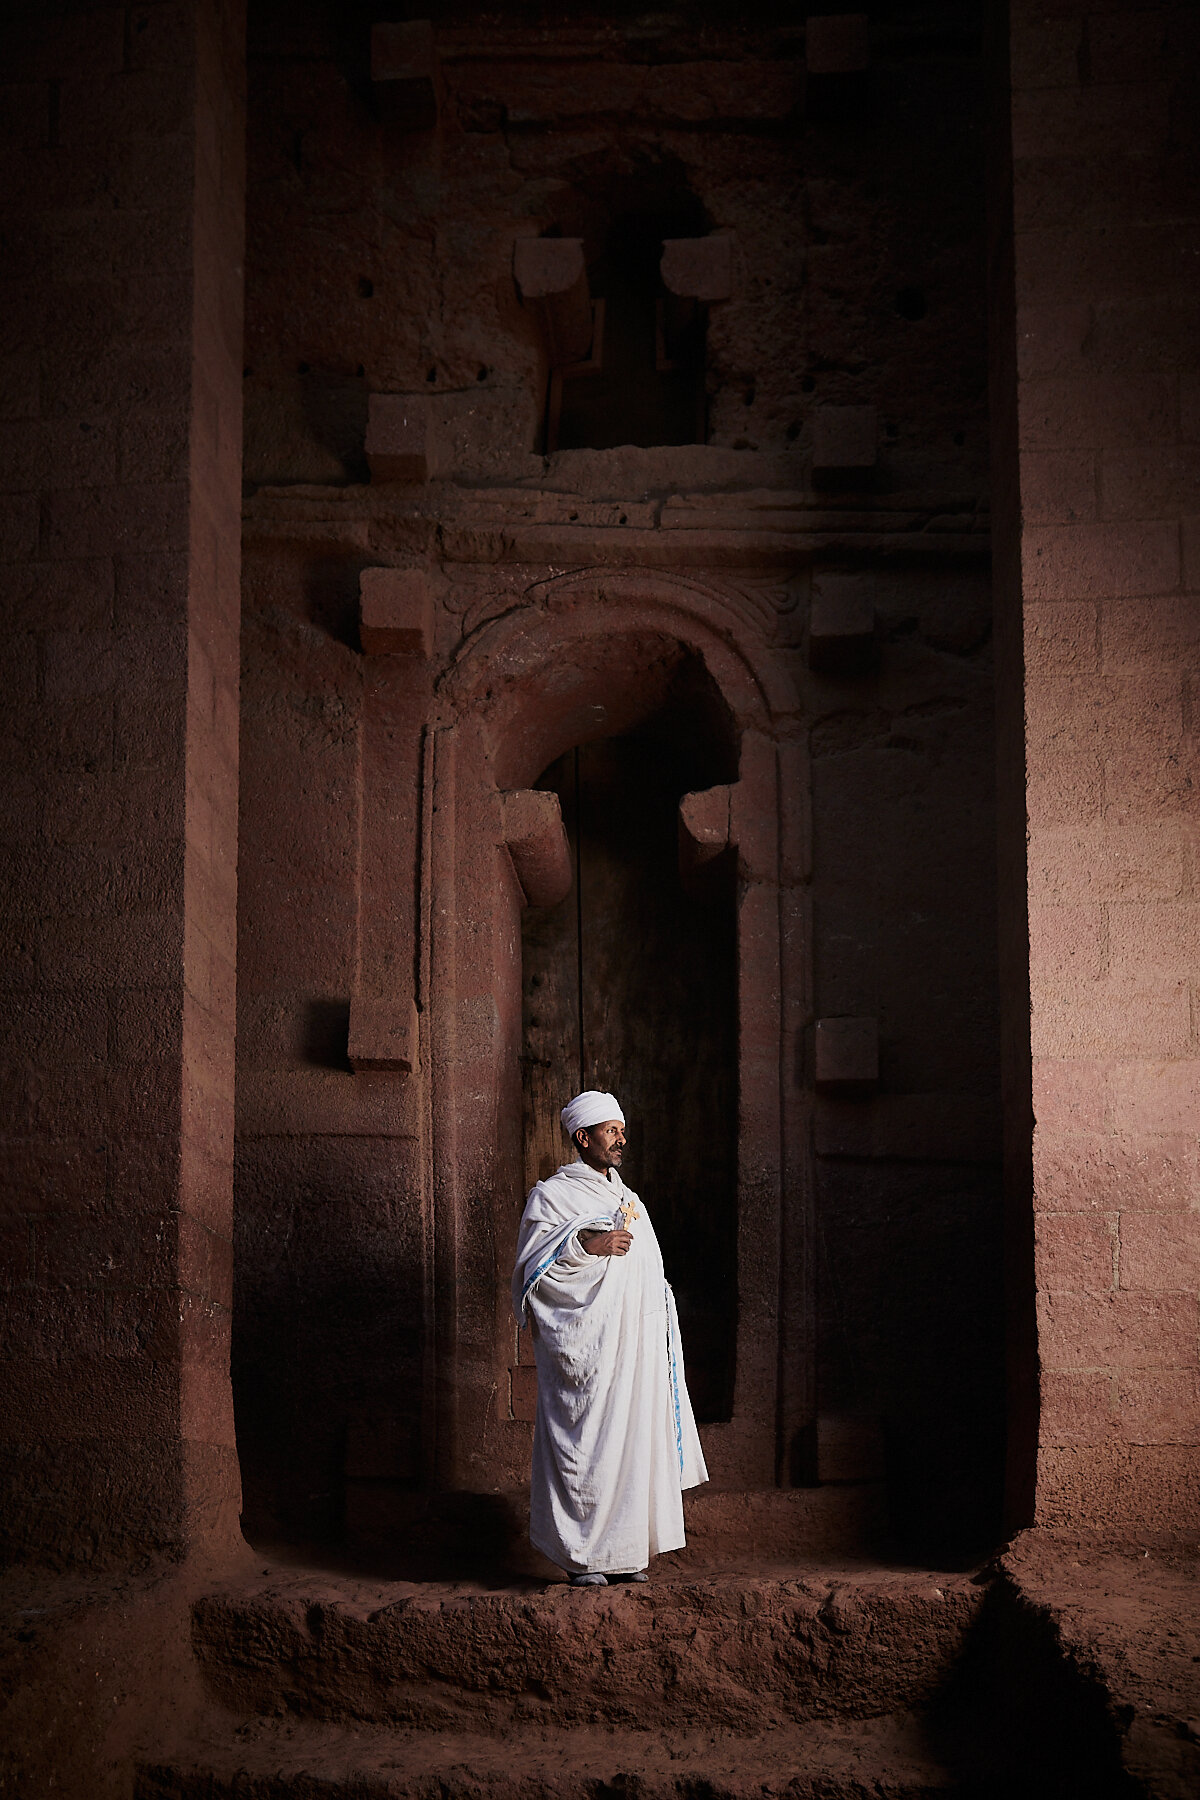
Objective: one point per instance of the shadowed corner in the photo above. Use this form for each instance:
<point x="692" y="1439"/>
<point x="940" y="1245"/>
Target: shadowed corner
<point x="1019" y="1713"/>
<point x="327" y="1035"/>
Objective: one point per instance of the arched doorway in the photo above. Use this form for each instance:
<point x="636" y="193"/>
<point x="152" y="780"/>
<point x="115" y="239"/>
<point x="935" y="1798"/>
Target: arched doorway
<point x="595" y="657"/>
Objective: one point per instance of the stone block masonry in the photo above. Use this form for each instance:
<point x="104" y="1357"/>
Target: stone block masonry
<point x="478" y="673"/>
<point x="380" y="859"/>
<point x="120" y="446"/>
<point x="1105" y="455"/>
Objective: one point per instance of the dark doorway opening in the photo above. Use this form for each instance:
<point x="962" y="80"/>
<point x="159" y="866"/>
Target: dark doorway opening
<point x="630" y="985"/>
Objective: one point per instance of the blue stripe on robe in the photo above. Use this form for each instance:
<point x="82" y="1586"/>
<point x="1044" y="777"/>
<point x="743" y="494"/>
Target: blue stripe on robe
<point x="556" y="1250"/>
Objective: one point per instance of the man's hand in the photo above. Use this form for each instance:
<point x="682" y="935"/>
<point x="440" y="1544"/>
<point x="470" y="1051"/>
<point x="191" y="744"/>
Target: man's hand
<point x="606" y="1243"/>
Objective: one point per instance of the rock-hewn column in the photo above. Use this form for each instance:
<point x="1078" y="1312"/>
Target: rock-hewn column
<point x="1102" y="487"/>
<point x="120" y="385"/>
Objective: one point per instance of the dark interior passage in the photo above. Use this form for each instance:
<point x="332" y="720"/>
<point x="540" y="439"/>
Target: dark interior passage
<point x="630" y="985"/>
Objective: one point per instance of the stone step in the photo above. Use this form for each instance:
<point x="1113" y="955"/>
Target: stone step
<point x="431" y="1534"/>
<point x="738" y="1650"/>
<point x="883" y="1758"/>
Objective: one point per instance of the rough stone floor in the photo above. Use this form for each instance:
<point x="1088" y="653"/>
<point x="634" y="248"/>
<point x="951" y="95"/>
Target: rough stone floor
<point x="1052" y="1672"/>
<point x="1059" y="1670"/>
<point x="723" y="1680"/>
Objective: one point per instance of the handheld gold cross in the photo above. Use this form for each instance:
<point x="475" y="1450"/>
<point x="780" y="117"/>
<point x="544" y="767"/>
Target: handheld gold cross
<point x="628" y="1211"/>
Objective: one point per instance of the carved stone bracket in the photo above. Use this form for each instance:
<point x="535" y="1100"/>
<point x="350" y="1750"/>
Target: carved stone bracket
<point x="719" y="819"/>
<point x="704" y="833"/>
<point x="551" y="278"/>
<point x="395" y="612"/>
<point x="406" y="74"/>
<point x="537" y="843"/>
<point x="696" y="272"/>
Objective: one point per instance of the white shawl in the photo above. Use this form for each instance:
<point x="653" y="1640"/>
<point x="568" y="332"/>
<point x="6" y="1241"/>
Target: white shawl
<point x="615" y="1441"/>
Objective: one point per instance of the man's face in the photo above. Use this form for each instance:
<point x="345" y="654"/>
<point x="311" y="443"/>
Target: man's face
<point x="601" y="1146"/>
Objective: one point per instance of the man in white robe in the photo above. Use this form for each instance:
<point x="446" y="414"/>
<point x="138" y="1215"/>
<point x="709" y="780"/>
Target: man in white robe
<point x="615" y="1442"/>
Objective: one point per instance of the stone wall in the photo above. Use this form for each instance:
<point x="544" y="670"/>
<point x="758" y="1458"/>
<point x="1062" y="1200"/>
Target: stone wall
<point x="122" y="218"/>
<point x="844" y="609"/>
<point x="1106" y="211"/>
<point x="381" y="280"/>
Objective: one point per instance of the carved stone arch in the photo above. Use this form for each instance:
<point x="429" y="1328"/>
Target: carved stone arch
<point x="520" y="691"/>
<point x="721" y="625"/>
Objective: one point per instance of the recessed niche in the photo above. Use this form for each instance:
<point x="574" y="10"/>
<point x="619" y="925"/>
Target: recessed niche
<point x="653" y="266"/>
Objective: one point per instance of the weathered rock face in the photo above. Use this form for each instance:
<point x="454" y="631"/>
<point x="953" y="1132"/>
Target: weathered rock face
<point x="382" y="262"/>
<point x="1096" y="453"/>
<point x="734" y="1654"/>
<point x="1063" y="1669"/>
<point x="120" y="467"/>
<point x="819" y="552"/>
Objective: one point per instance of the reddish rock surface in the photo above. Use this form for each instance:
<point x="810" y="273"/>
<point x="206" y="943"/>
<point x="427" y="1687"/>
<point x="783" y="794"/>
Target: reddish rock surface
<point x="878" y="1759"/>
<point x="1066" y="1668"/>
<point x="1103" y="203"/>
<point x="773" y="572"/>
<point x="688" y="1649"/>
<point x="123" y="189"/>
<point x="1128" y="1629"/>
<point x="598" y="569"/>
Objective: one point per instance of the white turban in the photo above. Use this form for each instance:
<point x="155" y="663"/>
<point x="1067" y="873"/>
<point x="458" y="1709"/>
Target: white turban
<point x="588" y="1109"/>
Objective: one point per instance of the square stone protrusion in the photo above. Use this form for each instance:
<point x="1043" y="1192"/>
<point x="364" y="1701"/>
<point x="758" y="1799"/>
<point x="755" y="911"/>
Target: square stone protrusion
<point x="841" y="623"/>
<point x="551" y="278"/>
<point x="537" y="843"/>
<point x="704" y="828"/>
<point x="406" y="74"/>
<point x="837" y="43"/>
<point x="397" y="442"/>
<point x="384" y="1035"/>
<point x="395" y="612"/>
<point x="845" y="437"/>
<point x="847" y="1053"/>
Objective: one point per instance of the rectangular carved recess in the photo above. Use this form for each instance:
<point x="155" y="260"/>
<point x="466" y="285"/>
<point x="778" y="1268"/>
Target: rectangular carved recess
<point x="615" y="376"/>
